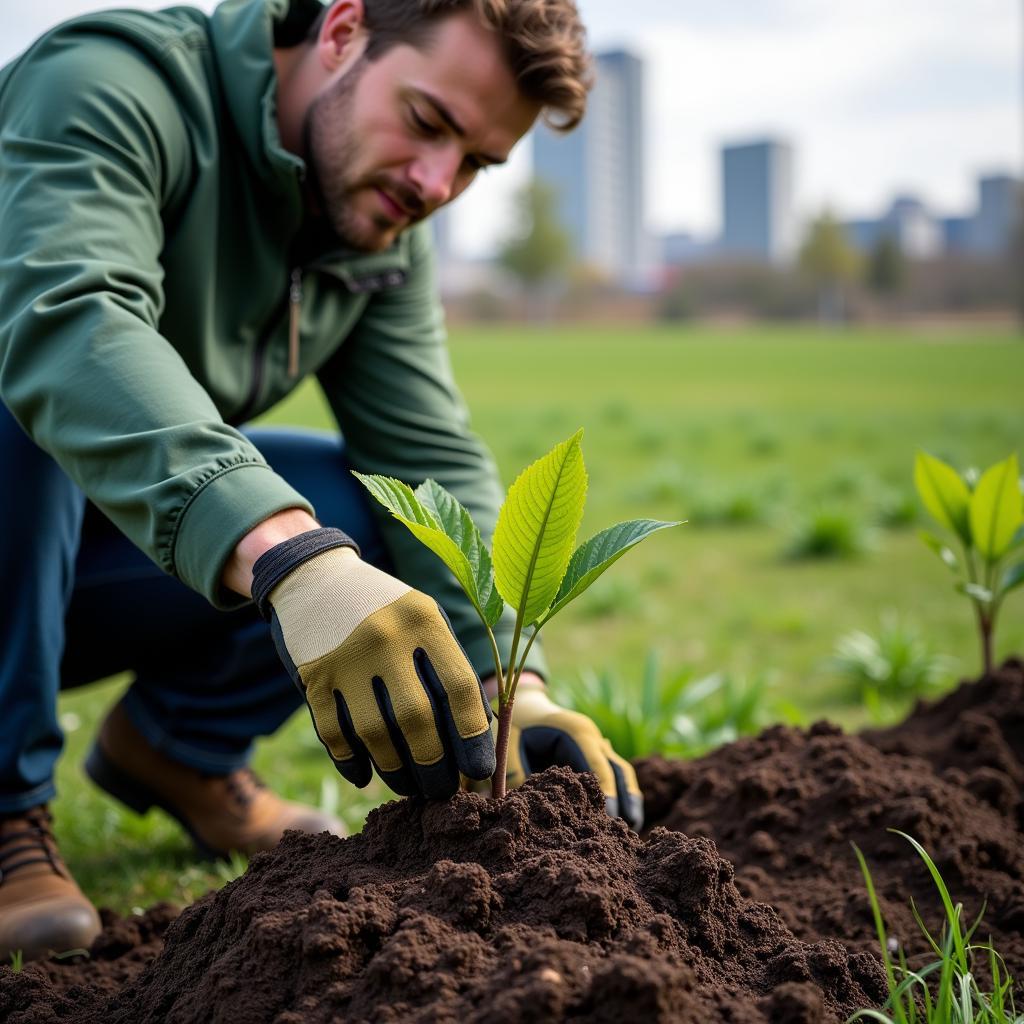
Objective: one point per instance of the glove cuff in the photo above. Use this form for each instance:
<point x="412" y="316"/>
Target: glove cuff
<point x="273" y="565"/>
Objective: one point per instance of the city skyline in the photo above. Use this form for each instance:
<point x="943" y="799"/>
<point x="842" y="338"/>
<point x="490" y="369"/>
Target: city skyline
<point x="878" y="99"/>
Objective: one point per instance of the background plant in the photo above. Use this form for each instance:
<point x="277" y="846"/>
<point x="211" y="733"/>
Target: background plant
<point x="985" y="513"/>
<point x="947" y="990"/>
<point x="677" y="714"/>
<point x="891" y="667"/>
<point x="828" y="531"/>
<point x="533" y="568"/>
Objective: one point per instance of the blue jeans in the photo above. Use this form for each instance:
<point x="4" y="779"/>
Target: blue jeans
<point x="79" y="602"/>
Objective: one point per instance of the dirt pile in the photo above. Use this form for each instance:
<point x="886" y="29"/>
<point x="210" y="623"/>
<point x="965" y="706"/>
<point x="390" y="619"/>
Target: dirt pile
<point x="539" y="909"/>
<point x="743" y="902"/>
<point x="785" y="806"/>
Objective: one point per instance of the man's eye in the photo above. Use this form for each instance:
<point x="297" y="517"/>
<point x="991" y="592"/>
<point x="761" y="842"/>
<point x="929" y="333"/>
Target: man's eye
<point x="421" y="124"/>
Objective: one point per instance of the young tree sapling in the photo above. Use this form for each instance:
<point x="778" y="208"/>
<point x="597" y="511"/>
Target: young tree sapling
<point x="534" y="568"/>
<point x="987" y="518"/>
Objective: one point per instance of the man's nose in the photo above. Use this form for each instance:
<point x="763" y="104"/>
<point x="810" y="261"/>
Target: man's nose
<point x="433" y="175"/>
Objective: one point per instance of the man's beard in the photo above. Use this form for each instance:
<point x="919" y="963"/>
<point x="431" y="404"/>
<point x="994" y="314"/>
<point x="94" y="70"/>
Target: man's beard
<point x="332" y="152"/>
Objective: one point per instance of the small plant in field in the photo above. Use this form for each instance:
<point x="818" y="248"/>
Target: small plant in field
<point x="533" y="567"/>
<point x="828" y="532"/>
<point x="679" y="714"/>
<point x="231" y="868"/>
<point x="986" y="516"/>
<point x="17" y="961"/>
<point x="945" y="991"/>
<point x="891" y="667"/>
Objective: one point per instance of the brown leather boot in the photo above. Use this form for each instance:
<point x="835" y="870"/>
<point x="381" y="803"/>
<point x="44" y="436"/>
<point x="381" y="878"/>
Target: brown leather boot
<point x="42" y="910"/>
<point x="222" y="813"/>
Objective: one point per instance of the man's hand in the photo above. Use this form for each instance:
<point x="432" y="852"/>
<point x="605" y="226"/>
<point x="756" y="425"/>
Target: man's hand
<point x="544" y="734"/>
<point x="385" y="679"/>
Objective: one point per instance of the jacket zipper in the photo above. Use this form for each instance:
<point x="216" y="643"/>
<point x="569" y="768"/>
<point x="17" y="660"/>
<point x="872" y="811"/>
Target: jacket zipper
<point x="294" y="321"/>
<point x="292" y="302"/>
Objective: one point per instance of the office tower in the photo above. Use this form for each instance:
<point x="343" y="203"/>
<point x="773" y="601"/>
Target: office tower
<point x="758" y="218"/>
<point x="597" y="172"/>
<point x="999" y="210"/>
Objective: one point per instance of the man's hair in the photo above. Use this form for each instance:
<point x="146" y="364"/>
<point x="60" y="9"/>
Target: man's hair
<point x="544" y="42"/>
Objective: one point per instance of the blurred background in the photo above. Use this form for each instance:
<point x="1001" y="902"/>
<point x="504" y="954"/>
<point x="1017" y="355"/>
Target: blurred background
<point x="783" y="254"/>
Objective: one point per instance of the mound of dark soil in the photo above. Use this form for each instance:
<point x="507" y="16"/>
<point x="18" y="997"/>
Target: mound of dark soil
<point x="743" y="903"/>
<point x="538" y="909"/>
<point x="784" y="808"/>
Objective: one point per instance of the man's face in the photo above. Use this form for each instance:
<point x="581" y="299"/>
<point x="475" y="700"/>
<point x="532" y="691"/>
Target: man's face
<point x="392" y="140"/>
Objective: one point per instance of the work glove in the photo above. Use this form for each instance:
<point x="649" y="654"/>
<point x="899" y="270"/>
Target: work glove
<point x="386" y="681"/>
<point x="544" y="734"/>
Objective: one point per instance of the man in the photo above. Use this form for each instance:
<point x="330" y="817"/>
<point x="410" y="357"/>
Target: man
<point x="197" y="213"/>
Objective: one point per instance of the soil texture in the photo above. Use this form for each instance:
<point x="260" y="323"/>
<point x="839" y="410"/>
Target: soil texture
<point x="741" y="903"/>
<point x="785" y="806"/>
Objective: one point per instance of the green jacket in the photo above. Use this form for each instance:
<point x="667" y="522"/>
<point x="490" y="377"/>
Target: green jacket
<point x="153" y="228"/>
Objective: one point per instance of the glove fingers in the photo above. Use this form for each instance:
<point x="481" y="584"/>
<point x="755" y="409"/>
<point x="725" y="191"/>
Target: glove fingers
<point x="630" y="799"/>
<point x="426" y="769"/>
<point x="462" y="707"/>
<point x="355" y="766"/>
<point x="545" y="745"/>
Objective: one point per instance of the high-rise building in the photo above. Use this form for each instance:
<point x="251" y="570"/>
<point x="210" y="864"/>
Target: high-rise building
<point x="758" y="216"/>
<point x="597" y="172"/>
<point x="999" y="210"/>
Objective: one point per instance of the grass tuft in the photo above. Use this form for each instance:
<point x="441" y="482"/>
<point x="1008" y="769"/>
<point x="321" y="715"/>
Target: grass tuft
<point x="886" y="670"/>
<point x="945" y="991"/>
<point x="828" y="532"/>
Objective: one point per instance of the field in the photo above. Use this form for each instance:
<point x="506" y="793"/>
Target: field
<point x="742" y="434"/>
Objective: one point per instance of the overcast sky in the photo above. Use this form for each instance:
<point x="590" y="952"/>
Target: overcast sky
<point x="877" y="97"/>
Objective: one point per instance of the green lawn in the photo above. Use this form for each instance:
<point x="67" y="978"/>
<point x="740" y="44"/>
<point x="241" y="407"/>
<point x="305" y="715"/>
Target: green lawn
<point x="740" y="433"/>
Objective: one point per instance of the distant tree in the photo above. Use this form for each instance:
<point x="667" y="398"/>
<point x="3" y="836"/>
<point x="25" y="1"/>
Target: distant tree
<point x="887" y="267"/>
<point x="831" y="262"/>
<point x="538" y="252"/>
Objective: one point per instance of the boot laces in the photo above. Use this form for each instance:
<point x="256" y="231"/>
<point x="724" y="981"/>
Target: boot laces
<point x="28" y="839"/>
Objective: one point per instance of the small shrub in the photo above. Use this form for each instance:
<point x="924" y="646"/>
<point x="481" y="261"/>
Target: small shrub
<point x="828" y="532"/>
<point x="890" y="668"/>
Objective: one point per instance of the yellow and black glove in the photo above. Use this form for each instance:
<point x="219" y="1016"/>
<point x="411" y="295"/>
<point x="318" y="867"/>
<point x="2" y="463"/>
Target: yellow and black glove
<point x="386" y="681"/>
<point x="544" y="734"/>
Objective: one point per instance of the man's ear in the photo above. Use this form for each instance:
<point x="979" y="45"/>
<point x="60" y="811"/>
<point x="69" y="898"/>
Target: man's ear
<point x="341" y="35"/>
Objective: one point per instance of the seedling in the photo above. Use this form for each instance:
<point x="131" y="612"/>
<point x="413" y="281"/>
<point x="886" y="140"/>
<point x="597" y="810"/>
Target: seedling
<point x="987" y="518"/>
<point x="533" y="567"/>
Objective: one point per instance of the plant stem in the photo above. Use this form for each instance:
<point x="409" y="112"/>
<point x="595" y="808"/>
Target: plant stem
<point x="504" y="711"/>
<point x="514" y="683"/>
<point x="501" y="750"/>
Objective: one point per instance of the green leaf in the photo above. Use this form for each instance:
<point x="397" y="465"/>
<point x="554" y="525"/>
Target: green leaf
<point x="997" y="508"/>
<point x="596" y="555"/>
<point x="458" y="525"/>
<point x="944" y="494"/>
<point x="975" y="590"/>
<point x="1012" y="578"/>
<point x="944" y="552"/>
<point x="536" y="529"/>
<point x="438" y="521"/>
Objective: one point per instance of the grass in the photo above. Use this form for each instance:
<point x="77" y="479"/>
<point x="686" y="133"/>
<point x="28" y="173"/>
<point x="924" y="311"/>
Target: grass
<point x="886" y="669"/>
<point x="947" y="990"/>
<point x="789" y="414"/>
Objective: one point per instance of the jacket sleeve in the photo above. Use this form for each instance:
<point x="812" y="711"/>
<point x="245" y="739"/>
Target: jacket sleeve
<point x="93" y="147"/>
<point x="393" y="394"/>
